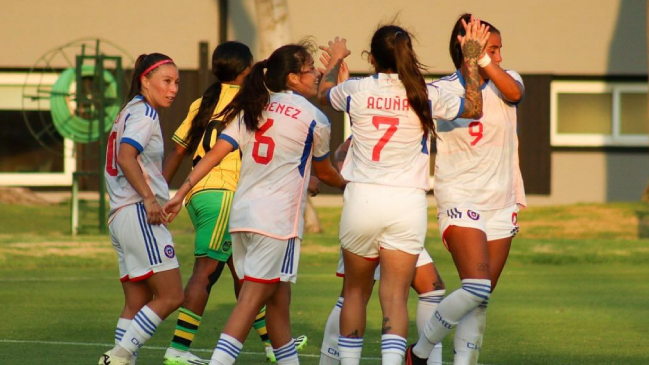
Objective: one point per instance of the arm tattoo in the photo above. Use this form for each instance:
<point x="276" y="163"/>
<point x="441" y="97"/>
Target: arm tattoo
<point x="385" y="329"/>
<point x="353" y="334"/>
<point x="332" y="76"/>
<point x="471" y="49"/>
<point x="473" y="105"/>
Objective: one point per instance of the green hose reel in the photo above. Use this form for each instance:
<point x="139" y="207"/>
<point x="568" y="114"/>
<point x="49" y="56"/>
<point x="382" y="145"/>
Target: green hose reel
<point x="65" y="118"/>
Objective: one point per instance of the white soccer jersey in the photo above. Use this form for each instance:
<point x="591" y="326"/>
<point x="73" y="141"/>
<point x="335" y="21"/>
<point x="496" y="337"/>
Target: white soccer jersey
<point x="389" y="145"/>
<point x="138" y="125"/>
<point x="477" y="160"/>
<point x="276" y="165"/>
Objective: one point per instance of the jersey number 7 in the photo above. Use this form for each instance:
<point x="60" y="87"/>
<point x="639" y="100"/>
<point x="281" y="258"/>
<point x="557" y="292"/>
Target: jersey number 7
<point x="392" y="123"/>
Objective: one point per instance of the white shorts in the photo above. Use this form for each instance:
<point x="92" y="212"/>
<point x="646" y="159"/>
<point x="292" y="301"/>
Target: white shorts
<point x="379" y="216"/>
<point x="497" y="224"/>
<point x="423" y="259"/>
<point x="142" y="249"/>
<point x="263" y="259"/>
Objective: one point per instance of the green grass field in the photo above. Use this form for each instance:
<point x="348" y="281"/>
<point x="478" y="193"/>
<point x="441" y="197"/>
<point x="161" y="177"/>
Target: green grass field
<point x="575" y="290"/>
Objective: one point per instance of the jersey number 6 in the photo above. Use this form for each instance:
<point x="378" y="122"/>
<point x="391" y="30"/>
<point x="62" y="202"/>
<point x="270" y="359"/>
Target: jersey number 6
<point x="392" y="123"/>
<point x="261" y="139"/>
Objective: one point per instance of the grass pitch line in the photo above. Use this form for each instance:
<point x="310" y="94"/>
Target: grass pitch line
<point x="66" y="343"/>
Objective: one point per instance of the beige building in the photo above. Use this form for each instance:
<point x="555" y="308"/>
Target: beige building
<point x="583" y="126"/>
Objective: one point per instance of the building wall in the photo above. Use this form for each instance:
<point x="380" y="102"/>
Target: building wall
<point x="166" y="26"/>
<point x="557" y="37"/>
<point x="542" y="40"/>
<point x="595" y="176"/>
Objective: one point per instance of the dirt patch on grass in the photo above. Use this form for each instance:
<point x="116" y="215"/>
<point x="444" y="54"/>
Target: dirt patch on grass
<point x="42" y="249"/>
<point x="20" y="196"/>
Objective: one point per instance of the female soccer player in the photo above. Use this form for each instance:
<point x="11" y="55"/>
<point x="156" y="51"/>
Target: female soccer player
<point x="148" y="266"/>
<point x="426" y="282"/>
<point x="278" y="132"/>
<point x="478" y="187"/>
<point x="210" y="200"/>
<point x="384" y="216"/>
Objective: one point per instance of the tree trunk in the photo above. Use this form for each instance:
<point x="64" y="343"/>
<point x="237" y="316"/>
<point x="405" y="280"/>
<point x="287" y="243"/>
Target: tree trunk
<point x="272" y="22"/>
<point x="274" y="32"/>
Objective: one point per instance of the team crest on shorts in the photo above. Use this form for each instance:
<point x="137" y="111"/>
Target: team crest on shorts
<point x="169" y="251"/>
<point x="473" y="215"/>
<point x="227" y="245"/>
<point x="515" y="218"/>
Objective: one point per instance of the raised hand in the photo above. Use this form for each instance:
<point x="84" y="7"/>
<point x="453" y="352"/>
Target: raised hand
<point x="475" y="39"/>
<point x="337" y="48"/>
<point x="343" y="74"/>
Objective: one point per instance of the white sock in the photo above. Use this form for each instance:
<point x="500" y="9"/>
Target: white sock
<point x="425" y="309"/>
<point x="226" y="351"/>
<point x="350" y="350"/>
<point x="120" y="330"/>
<point x="393" y="349"/>
<point x="287" y="354"/>
<point x="450" y="311"/>
<point x="329" y="350"/>
<point x="326" y="360"/>
<point x="142" y="328"/>
<point x="468" y="336"/>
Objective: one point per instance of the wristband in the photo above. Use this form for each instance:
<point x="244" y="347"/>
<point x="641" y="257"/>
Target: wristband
<point x="484" y="61"/>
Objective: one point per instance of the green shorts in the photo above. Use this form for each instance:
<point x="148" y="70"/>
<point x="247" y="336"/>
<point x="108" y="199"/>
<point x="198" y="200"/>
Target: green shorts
<point x="209" y="211"/>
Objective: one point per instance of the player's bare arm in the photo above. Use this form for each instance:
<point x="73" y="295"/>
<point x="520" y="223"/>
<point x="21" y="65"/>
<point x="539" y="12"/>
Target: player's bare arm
<point x="341" y="153"/>
<point x="211" y="159"/>
<point x="172" y="162"/>
<point x="472" y="47"/>
<point x="337" y="51"/>
<point x="325" y="171"/>
<point x="510" y="89"/>
<point x="127" y="161"/>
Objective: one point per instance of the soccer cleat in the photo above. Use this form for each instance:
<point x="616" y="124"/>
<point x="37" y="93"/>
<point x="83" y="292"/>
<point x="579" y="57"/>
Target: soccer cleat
<point x="270" y="355"/>
<point x="300" y="342"/>
<point x="412" y="359"/>
<point x="177" y="357"/>
<point x="109" y="359"/>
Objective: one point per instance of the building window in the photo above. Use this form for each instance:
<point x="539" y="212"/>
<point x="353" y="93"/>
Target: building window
<point x="599" y="114"/>
<point x="23" y="160"/>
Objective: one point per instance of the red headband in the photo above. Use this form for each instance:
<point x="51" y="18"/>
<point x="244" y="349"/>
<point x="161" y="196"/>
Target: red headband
<point x="152" y="67"/>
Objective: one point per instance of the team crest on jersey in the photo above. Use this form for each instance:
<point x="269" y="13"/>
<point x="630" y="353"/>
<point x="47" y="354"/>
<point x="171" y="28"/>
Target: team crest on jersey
<point x="473" y="215"/>
<point x="169" y="251"/>
<point x="515" y="218"/>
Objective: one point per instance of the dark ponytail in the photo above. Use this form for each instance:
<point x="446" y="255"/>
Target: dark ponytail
<point x="143" y="65"/>
<point x="392" y="50"/>
<point x="229" y="60"/>
<point x="255" y="93"/>
<point x="454" y="47"/>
